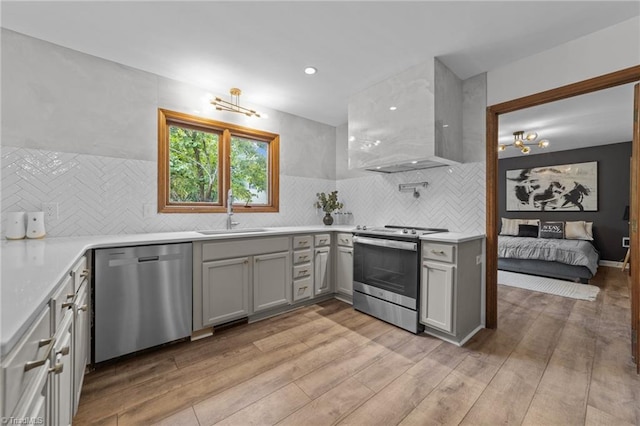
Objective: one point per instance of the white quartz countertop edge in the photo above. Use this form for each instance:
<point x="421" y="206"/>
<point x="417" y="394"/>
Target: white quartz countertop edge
<point x="453" y="237"/>
<point x="32" y="269"/>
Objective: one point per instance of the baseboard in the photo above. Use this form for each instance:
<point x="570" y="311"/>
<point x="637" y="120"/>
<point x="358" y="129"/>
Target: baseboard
<point x="610" y="263"/>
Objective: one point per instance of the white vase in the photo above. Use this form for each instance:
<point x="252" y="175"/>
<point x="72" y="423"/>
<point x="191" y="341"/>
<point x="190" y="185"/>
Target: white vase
<point x="16" y="226"/>
<point x="35" y="225"/>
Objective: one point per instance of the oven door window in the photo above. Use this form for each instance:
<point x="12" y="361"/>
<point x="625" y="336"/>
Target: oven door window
<point x="387" y="268"/>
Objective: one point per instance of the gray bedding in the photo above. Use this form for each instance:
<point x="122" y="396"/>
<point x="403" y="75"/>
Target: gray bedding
<point x="571" y="252"/>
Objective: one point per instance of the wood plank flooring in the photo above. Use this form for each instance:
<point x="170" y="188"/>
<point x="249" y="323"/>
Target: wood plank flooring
<point x="552" y="361"/>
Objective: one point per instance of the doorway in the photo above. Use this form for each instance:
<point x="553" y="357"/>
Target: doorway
<point x="625" y="76"/>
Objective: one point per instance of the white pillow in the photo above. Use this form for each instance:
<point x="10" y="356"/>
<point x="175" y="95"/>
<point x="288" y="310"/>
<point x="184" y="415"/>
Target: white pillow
<point x="589" y="227"/>
<point x="510" y="226"/>
<point x="577" y="230"/>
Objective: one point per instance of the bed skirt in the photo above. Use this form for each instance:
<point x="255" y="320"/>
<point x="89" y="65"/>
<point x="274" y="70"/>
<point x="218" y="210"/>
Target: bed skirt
<point x="545" y="268"/>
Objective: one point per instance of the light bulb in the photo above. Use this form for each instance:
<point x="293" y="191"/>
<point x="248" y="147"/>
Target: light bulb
<point x="526" y="150"/>
<point x="502" y="147"/>
<point x="531" y="136"/>
<point x="543" y="143"/>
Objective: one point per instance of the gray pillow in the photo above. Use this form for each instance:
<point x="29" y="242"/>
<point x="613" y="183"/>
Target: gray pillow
<point x="551" y="230"/>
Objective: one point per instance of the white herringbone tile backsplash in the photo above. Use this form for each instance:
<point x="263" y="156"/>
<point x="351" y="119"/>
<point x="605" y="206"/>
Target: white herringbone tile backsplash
<point x="454" y="198"/>
<point x="99" y="195"/>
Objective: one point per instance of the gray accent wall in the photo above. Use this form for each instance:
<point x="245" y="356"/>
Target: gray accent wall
<point x="613" y="192"/>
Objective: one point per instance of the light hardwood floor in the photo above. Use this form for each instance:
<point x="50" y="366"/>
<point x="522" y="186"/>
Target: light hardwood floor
<point x="552" y="361"/>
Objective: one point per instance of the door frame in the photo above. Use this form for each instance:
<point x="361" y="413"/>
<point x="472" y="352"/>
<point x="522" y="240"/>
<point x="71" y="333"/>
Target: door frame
<point x="617" y="78"/>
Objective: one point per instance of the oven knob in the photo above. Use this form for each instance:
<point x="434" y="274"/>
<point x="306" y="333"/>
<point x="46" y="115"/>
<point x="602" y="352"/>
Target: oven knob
<point x="413" y="231"/>
<point x="364" y="227"/>
<point x="405" y="231"/>
<point x="358" y="227"/>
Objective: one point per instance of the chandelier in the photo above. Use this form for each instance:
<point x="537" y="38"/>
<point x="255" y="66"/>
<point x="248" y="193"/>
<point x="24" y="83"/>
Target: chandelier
<point x="525" y="142"/>
<point x="234" y="105"/>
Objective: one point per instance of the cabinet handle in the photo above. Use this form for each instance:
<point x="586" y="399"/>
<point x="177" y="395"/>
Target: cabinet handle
<point x="56" y="369"/>
<point x="245" y="262"/>
<point x="66" y="305"/>
<point x="303" y="272"/>
<point x="84" y="273"/>
<point x="301" y="242"/>
<point x="83" y="308"/>
<point x="34" y="364"/>
<point x="304" y="257"/>
<point x="63" y="351"/>
<point x="437" y="251"/>
<point x="70" y="295"/>
<point x="323" y="241"/>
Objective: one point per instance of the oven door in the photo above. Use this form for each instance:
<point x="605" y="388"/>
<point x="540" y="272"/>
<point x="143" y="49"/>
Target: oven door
<point x="385" y="264"/>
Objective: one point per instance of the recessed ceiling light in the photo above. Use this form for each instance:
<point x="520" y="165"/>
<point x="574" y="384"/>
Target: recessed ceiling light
<point x="310" y="70"/>
<point x="393" y="108"/>
<point x="445" y="125"/>
<point x="414" y="162"/>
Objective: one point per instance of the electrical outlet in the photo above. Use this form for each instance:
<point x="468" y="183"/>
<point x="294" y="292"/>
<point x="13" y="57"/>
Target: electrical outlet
<point x="478" y="259"/>
<point x="625" y="241"/>
<point x="50" y="210"/>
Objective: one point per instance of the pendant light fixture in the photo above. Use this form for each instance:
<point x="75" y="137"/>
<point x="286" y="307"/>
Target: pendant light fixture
<point x="525" y="142"/>
<point x="234" y="105"/>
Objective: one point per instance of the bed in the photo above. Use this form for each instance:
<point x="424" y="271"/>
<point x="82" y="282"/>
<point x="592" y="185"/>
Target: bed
<point x="568" y="258"/>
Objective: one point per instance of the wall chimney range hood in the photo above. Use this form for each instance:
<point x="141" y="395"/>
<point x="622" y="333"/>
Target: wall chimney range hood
<point x="410" y="121"/>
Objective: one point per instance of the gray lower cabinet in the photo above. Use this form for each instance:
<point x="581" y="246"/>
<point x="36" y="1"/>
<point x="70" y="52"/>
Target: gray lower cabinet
<point x="321" y="279"/>
<point x="63" y="372"/>
<point x="451" y="289"/>
<point x="82" y="339"/>
<point x="225" y="290"/>
<point x="344" y="264"/>
<point x="271" y="283"/>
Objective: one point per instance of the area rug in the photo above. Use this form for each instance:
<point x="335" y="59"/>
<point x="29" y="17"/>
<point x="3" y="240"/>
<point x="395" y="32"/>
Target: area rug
<point x="549" y="285"/>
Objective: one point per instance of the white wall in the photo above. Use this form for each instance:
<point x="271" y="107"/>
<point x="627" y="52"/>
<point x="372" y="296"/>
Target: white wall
<point x="611" y="49"/>
<point x="82" y="132"/>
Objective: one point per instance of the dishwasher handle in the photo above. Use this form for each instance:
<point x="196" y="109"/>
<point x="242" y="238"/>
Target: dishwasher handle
<point x="148" y="259"/>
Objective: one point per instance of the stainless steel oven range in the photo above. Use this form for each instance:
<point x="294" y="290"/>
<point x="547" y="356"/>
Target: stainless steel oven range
<point x="386" y="273"/>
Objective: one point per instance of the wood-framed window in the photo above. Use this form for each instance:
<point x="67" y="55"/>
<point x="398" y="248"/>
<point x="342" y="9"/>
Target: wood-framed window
<point x="200" y="159"/>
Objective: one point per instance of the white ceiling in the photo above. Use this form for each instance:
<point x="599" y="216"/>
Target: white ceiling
<point x="597" y="118"/>
<point x="262" y="47"/>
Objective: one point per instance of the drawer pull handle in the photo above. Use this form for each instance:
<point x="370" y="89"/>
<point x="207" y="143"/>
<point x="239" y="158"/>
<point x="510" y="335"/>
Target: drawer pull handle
<point x="57" y="369"/>
<point x="63" y="351"/>
<point x="66" y="305"/>
<point x="437" y="251"/>
<point x="70" y="295"/>
<point x="34" y="364"/>
<point x="323" y="241"/>
<point x="302" y="242"/>
<point x="304" y="257"/>
<point x="245" y="262"/>
<point x="84" y="273"/>
<point x="303" y="272"/>
<point x="83" y="308"/>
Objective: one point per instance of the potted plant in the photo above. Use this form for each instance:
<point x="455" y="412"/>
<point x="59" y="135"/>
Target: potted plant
<point x="328" y="204"/>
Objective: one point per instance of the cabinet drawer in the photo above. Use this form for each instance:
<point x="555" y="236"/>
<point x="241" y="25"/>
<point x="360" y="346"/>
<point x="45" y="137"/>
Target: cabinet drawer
<point x="302" y="289"/>
<point x="27" y="359"/>
<point x="345" y="239"/>
<point x="301" y="256"/>
<point x="303" y="270"/>
<point x="79" y="273"/>
<point x="62" y="301"/>
<point x="302" y="241"/>
<point x="322" y="240"/>
<point x="435" y="251"/>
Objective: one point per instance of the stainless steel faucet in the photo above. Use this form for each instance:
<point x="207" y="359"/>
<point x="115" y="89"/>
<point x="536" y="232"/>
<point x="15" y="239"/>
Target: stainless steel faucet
<point x="230" y="222"/>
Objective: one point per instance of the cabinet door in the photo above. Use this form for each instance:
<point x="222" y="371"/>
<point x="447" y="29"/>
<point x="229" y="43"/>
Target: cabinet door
<point x="271" y="283"/>
<point x="322" y="284"/>
<point x="225" y="290"/>
<point x="344" y="270"/>
<point x="436" y="296"/>
<point x="62" y="372"/>
<point x="81" y="341"/>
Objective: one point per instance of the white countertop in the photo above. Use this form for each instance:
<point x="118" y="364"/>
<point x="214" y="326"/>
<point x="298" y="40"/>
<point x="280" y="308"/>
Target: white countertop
<point x="453" y="237"/>
<point x="32" y="269"/>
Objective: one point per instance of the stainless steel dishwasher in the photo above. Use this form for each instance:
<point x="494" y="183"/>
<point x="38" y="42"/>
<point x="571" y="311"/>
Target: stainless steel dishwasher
<point x="142" y="298"/>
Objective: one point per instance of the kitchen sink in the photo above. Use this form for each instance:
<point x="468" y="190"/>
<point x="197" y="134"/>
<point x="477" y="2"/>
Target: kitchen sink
<point x="232" y="231"/>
